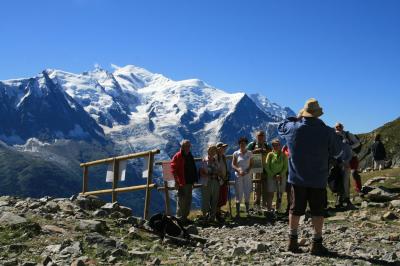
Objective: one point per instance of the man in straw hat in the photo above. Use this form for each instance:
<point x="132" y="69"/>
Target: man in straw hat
<point x="311" y="144"/>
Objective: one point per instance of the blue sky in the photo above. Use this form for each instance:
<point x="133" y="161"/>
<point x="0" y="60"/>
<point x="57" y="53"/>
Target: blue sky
<point x="345" y="53"/>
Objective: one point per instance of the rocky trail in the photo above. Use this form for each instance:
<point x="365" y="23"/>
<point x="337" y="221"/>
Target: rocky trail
<point x="88" y="231"/>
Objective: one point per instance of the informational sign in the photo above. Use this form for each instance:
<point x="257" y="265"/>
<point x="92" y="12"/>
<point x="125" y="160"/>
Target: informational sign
<point x="145" y="173"/>
<point x="121" y="174"/>
<point x="167" y="172"/>
<point x="257" y="163"/>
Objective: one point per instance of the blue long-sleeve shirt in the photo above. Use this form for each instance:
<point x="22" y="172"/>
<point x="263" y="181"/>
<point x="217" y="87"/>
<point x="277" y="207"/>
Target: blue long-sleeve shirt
<point x="311" y="143"/>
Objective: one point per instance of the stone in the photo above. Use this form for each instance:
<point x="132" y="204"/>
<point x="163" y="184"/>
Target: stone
<point x="125" y="210"/>
<point x="89" y="203"/>
<point x="390" y="256"/>
<point x="92" y="225"/>
<point x="376" y="204"/>
<point x="29" y="263"/>
<point x="117" y="215"/>
<point x="35" y="205"/>
<point x="66" y="207"/>
<point x="96" y="238"/>
<point x="380" y="195"/>
<point x="156" y="261"/>
<point x="156" y="248"/>
<point x="53" y="229"/>
<point x="337" y="218"/>
<point x="16" y="248"/>
<point x="375" y="218"/>
<point x="51" y="207"/>
<point x="389" y="216"/>
<point x="9" y="218"/>
<point x="261" y="247"/>
<point x="133" y="233"/>
<point x="54" y="248"/>
<point x="238" y="251"/>
<point x="118" y="253"/>
<point x="110" y="207"/>
<point x="112" y="259"/>
<point x="46" y="260"/>
<point x="395" y="204"/>
<point x="11" y="262"/>
<point x="342" y="229"/>
<point x="369" y="182"/>
<point x="140" y="254"/>
<point x="99" y="213"/>
<point x="75" y="249"/>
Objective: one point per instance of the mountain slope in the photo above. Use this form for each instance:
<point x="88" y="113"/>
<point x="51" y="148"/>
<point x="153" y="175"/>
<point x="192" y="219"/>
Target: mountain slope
<point x="391" y="140"/>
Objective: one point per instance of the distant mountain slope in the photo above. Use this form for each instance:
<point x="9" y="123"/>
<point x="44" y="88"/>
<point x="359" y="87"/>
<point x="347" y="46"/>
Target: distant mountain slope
<point x="390" y="133"/>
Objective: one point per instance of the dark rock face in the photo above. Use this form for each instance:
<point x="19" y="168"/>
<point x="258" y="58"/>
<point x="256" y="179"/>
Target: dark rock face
<point x="45" y="112"/>
<point x="246" y="118"/>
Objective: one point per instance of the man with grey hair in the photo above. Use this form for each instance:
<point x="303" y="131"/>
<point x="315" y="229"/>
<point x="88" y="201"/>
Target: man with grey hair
<point x="184" y="170"/>
<point x="259" y="146"/>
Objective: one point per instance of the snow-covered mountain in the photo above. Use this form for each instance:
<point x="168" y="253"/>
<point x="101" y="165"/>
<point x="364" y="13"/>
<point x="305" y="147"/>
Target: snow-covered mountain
<point x="55" y="120"/>
<point x="133" y="107"/>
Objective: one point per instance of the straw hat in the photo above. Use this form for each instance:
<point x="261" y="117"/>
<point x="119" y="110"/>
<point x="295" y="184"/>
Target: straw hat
<point x="311" y="109"/>
<point x="221" y="144"/>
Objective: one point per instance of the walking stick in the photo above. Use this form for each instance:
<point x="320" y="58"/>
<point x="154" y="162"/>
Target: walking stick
<point x="229" y="198"/>
<point x="279" y="194"/>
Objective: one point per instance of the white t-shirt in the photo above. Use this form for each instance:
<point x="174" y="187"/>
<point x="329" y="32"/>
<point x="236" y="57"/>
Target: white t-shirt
<point x="242" y="161"/>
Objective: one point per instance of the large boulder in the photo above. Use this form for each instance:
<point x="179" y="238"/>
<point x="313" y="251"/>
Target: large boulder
<point x="381" y="194"/>
<point x="9" y="218"/>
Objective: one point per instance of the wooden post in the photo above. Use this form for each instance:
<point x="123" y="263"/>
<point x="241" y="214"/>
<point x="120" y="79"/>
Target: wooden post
<point x="115" y="180"/>
<point x="85" y="179"/>
<point x="149" y="181"/>
<point x="167" y="203"/>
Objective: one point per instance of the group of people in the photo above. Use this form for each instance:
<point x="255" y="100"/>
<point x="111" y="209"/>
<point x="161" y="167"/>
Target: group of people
<point x="213" y="174"/>
<point x="301" y="168"/>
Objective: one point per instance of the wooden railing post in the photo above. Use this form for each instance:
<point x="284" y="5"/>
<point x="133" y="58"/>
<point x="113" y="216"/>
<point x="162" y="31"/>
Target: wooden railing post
<point x="115" y="180"/>
<point x="85" y="179"/>
<point x="149" y="181"/>
<point x="167" y="203"/>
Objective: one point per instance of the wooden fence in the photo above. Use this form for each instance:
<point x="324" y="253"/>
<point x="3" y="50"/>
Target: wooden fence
<point x="148" y="186"/>
<point x="115" y="190"/>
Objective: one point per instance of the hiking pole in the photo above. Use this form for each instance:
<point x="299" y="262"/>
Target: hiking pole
<point x="229" y="198"/>
<point x="279" y="194"/>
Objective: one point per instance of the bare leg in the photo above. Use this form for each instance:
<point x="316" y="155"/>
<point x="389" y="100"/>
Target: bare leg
<point x="318" y="223"/>
<point x="294" y="222"/>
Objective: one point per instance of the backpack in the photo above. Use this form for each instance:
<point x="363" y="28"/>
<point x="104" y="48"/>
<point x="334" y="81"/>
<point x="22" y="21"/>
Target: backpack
<point x="163" y="224"/>
<point x="358" y="148"/>
<point x="335" y="179"/>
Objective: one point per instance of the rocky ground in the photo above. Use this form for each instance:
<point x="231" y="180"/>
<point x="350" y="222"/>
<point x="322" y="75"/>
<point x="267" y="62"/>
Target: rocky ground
<point x="88" y="231"/>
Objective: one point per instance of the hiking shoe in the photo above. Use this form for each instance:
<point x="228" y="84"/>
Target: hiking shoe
<point x="318" y="249"/>
<point x="293" y="245"/>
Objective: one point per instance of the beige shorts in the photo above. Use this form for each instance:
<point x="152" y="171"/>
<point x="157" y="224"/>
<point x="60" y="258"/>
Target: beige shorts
<point x="272" y="185"/>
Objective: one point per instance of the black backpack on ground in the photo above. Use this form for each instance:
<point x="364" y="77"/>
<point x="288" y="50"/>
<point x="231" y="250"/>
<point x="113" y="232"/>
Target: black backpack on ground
<point x="335" y="179"/>
<point x="163" y="224"/>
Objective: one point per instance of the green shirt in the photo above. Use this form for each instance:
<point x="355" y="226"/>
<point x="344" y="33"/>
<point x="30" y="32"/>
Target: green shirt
<point x="276" y="164"/>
